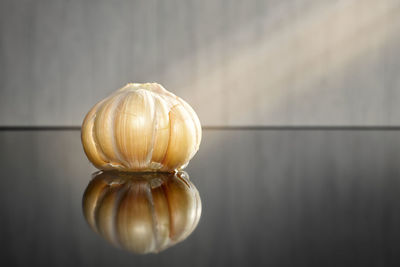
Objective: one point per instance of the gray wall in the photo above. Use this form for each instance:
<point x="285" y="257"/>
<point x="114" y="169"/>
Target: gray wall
<point x="236" y="62"/>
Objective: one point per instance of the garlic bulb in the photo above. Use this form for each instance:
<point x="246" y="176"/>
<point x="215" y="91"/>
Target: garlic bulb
<point x="141" y="127"/>
<point x="142" y="212"/>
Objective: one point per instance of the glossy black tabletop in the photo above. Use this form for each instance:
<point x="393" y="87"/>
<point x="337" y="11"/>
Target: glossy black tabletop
<point x="269" y="198"/>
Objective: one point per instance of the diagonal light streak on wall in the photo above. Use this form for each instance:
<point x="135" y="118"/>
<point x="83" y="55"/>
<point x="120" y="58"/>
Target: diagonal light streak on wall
<point x="261" y="81"/>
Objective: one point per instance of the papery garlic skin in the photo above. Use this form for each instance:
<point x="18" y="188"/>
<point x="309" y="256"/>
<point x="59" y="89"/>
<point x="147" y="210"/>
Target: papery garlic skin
<point x="142" y="212"/>
<point x="141" y="127"/>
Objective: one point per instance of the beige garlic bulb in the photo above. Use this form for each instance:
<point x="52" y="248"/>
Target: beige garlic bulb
<point x="141" y="127"/>
<point x="142" y="212"/>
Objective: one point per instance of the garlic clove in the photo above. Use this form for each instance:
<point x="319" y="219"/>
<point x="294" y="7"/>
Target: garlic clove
<point x="181" y="142"/>
<point x="102" y="130"/>
<point x="134" y="129"/>
<point x="162" y="132"/>
<point x="91" y="148"/>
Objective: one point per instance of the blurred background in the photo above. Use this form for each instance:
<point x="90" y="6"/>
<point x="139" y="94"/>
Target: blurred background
<point x="299" y="161"/>
<point x="238" y="63"/>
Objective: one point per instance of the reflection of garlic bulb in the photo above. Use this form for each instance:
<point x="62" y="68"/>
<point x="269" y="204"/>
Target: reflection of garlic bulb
<point x="142" y="212"/>
<point x="141" y="127"/>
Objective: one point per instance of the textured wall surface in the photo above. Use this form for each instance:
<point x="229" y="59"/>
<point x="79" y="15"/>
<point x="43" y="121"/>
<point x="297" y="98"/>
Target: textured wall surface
<point x="236" y="62"/>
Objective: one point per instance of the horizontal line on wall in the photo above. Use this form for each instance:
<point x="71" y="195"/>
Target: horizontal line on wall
<point x="40" y="128"/>
<point x="305" y="128"/>
<point x="251" y="128"/>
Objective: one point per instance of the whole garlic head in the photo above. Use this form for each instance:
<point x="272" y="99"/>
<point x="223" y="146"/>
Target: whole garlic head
<point x="141" y="127"/>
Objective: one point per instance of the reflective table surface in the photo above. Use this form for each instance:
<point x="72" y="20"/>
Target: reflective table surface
<point x="269" y="198"/>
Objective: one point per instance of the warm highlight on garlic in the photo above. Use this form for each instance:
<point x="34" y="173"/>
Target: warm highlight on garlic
<point x="142" y="212"/>
<point x="141" y="127"/>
